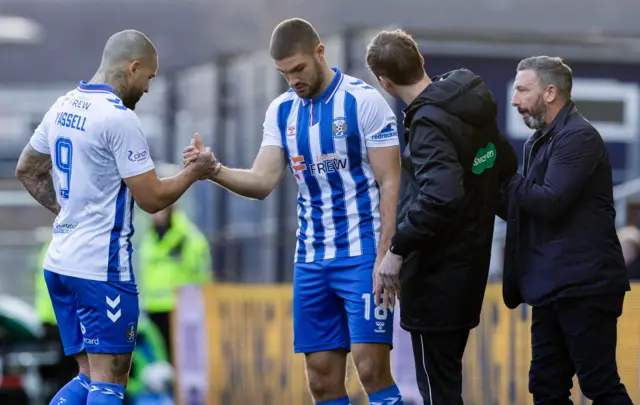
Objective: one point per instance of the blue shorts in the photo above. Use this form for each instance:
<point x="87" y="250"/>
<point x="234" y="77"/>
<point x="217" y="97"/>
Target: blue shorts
<point x="96" y="316"/>
<point x="333" y="306"/>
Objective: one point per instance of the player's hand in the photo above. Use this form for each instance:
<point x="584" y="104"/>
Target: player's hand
<point x="387" y="279"/>
<point x="380" y="294"/>
<point x="192" y="154"/>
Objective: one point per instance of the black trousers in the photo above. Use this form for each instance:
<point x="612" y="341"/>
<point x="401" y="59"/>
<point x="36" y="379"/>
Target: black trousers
<point x="576" y="336"/>
<point x="438" y="359"/>
<point x="163" y="321"/>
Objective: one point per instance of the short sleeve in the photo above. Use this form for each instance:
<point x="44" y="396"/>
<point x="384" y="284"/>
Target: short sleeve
<point x="271" y="132"/>
<point x="40" y="140"/>
<point x="377" y="121"/>
<point x="129" y="147"/>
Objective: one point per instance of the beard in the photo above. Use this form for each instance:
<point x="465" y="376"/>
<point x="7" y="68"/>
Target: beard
<point x="535" y="118"/>
<point x="131" y="100"/>
<point x="312" y="89"/>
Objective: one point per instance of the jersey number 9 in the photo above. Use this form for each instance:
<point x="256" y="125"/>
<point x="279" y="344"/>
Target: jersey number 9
<point x="63" y="159"/>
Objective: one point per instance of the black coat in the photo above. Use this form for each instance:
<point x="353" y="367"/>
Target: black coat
<point x="453" y="164"/>
<point x="561" y="235"/>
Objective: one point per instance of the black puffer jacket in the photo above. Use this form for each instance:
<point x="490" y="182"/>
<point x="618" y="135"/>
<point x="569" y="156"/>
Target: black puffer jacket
<point x="453" y="166"/>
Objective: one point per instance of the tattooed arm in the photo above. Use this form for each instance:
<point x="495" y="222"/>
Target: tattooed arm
<point x="34" y="172"/>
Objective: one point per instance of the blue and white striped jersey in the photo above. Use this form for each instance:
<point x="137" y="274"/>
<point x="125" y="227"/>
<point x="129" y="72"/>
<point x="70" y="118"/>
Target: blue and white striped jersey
<point x="94" y="142"/>
<point x="326" y="141"/>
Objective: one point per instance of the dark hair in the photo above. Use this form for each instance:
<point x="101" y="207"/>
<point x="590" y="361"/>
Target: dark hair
<point x="550" y="70"/>
<point x="293" y="36"/>
<point x="395" y="55"/>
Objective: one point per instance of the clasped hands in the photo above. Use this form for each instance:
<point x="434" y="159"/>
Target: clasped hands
<point x="198" y="154"/>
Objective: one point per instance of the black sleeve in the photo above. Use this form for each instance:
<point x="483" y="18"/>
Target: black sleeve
<point x="441" y="199"/>
<point x="508" y="166"/>
<point x="573" y="160"/>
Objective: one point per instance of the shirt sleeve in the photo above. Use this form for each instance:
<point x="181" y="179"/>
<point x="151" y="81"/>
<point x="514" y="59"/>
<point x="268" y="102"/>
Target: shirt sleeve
<point x="129" y="147"/>
<point x="378" y="122"/>
<point x="40" y="140"/>
<point x="271" y="132"/>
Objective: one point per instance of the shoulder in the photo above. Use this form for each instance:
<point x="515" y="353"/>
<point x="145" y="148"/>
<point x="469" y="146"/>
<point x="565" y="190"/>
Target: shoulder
<point x="187" y="227"/>
<point x="287" y="96"/>
<point x="579" y="134"/>
<point x="577" y="124"/>
<point x="275" y="107"/>
<point x="364" y="99"/>
<point x="431" y="116"/>
<point x="362" y="91"/>
<point x="119" y="120"/>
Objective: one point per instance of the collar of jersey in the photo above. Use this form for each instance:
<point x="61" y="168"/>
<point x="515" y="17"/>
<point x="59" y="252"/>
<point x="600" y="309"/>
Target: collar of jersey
<point x="91" y="87"/>
<point x="329" y="92"/>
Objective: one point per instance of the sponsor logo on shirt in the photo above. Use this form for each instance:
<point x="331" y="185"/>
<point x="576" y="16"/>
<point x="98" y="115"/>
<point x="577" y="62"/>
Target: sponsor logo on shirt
<point x="387" y="133"/>
<point x="59" y="228"/>
<point x="327" y="163"/>
<point x="139" y="156"/>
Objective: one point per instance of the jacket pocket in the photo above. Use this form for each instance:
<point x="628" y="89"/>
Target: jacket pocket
<point x="577" y="260"/>
<point x="539" y="275"/>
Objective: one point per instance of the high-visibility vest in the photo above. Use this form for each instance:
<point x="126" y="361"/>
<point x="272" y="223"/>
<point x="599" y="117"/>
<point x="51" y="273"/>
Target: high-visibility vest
<point x="43" y="305"/>
<point x="182" y="256"/>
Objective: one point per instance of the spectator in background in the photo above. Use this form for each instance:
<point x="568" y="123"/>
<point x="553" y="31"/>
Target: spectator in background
<point x="630" y="241"/>
<point x="562" y="253"/>
<point x="173" y="252"/>
<point x="150" y="352"/>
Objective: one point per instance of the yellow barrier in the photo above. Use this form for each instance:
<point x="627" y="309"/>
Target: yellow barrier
<point x="249" y="345"/>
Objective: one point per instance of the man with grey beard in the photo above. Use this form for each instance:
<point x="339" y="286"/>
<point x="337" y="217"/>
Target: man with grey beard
<point x="562" y="253"/>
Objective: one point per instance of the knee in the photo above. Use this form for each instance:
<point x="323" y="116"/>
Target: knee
<point x="110" y="368"/>
<point x="599" y="385"/>
<point x="374" y="370"/>
<point x="325" y="379"/>
<point x="83" y="364"/>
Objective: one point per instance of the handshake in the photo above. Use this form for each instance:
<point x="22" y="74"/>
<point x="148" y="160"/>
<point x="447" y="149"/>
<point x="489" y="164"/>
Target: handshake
<point x="200" y="159"/>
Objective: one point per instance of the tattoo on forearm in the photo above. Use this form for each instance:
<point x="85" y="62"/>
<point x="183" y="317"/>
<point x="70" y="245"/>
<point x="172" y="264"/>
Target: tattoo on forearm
<point x="34" y="171"/>
<point x="41" y="188"/>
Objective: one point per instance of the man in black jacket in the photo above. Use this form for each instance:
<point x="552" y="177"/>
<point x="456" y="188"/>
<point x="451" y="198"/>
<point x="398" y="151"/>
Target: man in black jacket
<point x="453" y="164"/>
<point x="562" y="253"/>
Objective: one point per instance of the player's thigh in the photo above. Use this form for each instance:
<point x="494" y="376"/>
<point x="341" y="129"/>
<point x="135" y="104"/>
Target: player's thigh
<point x="109" y="314"/>
<point x="319" y="320"/>
<point x="352" y="280"/>
<point x="65" y="309"/>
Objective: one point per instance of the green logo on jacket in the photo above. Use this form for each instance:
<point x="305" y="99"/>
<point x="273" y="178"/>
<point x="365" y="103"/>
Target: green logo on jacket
<point x="485" y="158"/>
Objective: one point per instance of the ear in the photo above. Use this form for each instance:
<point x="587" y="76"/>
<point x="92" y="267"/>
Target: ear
<point x="320" y="50"/>
<point x="551" y="94"/>
<point x="134" y="67"/>
<point x="385" y="83"/>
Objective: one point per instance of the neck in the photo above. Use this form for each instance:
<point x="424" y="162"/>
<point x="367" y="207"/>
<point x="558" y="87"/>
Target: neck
<point x="113" y="77"/>
<point x="553" y="110"/>
<point x="411" y="92"/>
<point x="327" y="77"/>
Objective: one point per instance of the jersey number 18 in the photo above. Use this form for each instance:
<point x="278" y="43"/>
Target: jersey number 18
<point x="63" y="158"/>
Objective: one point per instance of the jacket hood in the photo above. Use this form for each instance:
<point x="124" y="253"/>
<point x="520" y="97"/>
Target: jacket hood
<point x="461" y="93"/>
